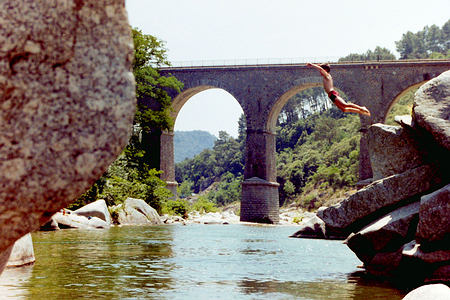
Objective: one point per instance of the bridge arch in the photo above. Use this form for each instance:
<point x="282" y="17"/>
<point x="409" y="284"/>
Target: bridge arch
<point x="182" y="98"/>
<point x="398" y="97"/>
<point x="281" y="102"/>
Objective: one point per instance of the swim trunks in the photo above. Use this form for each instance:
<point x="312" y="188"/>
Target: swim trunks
<point x="333" y="94"/>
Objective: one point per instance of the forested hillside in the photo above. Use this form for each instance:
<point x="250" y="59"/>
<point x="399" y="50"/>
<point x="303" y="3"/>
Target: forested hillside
<point x="187" y="144"/>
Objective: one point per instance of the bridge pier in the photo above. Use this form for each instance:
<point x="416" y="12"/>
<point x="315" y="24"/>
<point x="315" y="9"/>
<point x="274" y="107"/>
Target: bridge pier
<point x="259" y="203"/>
<point x="167" y="164"/>
<point x="260" y="198"/>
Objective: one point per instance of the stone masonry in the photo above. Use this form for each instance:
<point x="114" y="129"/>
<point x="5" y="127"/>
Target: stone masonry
<point x="263" y="90"/>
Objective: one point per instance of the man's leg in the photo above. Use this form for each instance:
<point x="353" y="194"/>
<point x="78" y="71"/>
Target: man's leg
<point x="350" y="107"/>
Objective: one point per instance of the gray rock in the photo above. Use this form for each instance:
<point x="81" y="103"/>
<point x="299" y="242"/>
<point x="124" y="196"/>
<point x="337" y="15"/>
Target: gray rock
<point x="385" y="264"/>
<point x="387" y="234"/>
<point x="392" y="150"/>
<point x="22" y="252"/>
<point x="67" y="108"/>
<point x="312" y="227"/>
<point x="137" y="212"/>
<point x="72" y="220"/>
<point x="413" y="250"/>
<point x="359" y="209"/>
<point x="434" y="216"/>
<point x="429" y="292"/>
<point x="431" y="109"/>
<point x="95" y="209"/>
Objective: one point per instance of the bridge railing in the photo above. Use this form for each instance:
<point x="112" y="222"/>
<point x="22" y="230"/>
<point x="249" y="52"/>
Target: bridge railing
<point x="284" y="61"/>
<point x="253" y="61"/>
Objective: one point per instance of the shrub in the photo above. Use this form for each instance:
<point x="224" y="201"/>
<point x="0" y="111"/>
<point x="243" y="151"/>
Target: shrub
<point x="178" y="207"/>
<point x="203" y="205"/>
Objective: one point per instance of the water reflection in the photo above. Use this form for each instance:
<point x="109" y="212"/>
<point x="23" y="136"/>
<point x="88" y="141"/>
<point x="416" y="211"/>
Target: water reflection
<point x="190" y="262"/>
<point x="12" y="280"/>
<point x="120" y="262"/>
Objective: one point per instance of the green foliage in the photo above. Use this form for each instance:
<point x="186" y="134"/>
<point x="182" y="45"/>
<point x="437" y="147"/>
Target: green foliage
<point x="149" y="188"/>
<point x="430" y="42"/>
<point x="403" y="106"/>
<point x="204" y="205"/>
<point x="185" y="189"/>
<point x="90" y="196"/>
<point x="378" y="54"/>
<point x="325" y="155"/>
<point x="178" y="207"/>
<point x="228" y="191"/>
<point x="211" y="164"/>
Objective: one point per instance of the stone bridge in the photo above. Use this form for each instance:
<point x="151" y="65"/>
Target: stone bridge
<point x="263" y="90"/>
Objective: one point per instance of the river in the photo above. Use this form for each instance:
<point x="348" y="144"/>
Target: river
<point x="190" y="262"/>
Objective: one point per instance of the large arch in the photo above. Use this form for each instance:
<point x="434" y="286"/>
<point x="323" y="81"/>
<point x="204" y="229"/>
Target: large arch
<point x="167" y="160"/>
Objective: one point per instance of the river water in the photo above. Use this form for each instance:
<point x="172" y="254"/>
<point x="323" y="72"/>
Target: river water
<point x="189" y="262"/>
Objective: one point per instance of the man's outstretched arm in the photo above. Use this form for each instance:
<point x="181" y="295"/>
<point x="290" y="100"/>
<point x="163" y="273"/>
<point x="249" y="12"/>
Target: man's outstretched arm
<point x="319" y="68"/>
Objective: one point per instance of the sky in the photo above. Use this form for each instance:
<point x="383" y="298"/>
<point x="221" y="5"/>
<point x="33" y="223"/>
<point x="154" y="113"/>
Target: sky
<point x="198" y="31"/>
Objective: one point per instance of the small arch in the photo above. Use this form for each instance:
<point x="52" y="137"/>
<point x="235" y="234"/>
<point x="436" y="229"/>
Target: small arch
<point x="399" y="97"/>
<point x="281" y="102"/>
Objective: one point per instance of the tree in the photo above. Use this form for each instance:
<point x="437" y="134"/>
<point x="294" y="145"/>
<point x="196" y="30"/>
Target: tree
<point x="378" y="54"/>
<point x="152" y="117"/>
<point x="430" y="42"/>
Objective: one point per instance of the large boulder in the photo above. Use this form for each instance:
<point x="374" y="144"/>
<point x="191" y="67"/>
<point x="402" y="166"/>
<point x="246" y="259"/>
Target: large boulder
<point x="68" y="219"/>
<point x="22" y="252"/>
<point x="137" y="212"/>
<point x="437" y="291"/>
<point x="67" y="104"/>
<point x="392" y="150"/>
<point x="431" y="109"/>
<point x="387" y="234"/>
<point x="95" y="209"/>
<point x="371" y="202"/>
<point x="434" y="217"/>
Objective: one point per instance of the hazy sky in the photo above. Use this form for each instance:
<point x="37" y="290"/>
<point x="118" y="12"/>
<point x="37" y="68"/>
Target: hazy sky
<point x="196" y="30"/>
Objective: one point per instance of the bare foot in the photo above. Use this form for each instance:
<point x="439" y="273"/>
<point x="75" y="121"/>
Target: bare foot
<point x="365" y="111"/>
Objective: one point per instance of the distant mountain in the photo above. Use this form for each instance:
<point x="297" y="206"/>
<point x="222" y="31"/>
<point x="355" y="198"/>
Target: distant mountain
<point x="187" y="144"/>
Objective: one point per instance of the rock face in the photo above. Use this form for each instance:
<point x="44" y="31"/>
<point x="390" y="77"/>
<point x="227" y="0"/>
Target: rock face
<point x="95" y="209"/>
<point x="434" y="224"/>
<point x="360" y="208"/>
<point x="431" y="109"/>
<point x="137" y="212"/>
<point x="398" y="225"/>
<point x="67" y="101"/>
<point x="22" y="252"/>
<point x="386" y="234"/>
<point x="393" y="150"/>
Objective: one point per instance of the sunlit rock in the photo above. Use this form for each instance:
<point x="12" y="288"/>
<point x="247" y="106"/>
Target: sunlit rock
<point x="95" y="209"/>
<point x="136" y="212"/>
<point x="431" y="109"/>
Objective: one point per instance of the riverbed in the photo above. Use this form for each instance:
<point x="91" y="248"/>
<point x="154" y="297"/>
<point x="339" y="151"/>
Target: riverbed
<point x="190" y="262"/>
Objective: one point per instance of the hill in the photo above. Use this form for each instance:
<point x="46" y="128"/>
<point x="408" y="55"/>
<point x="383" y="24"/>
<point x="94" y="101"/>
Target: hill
<point x="187" y="144"/>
